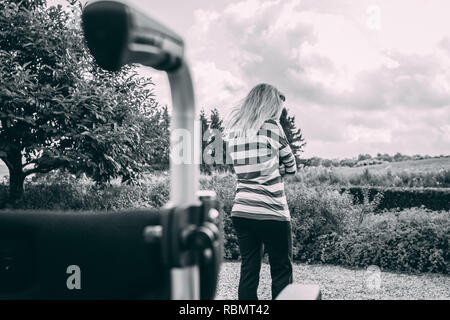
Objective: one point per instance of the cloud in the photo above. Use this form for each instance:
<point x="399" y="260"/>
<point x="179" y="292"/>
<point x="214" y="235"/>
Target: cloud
<point x="418" y="81"/>
<point x="348" y="86"/>
<point x="213" y="84"/>
<point x="322" y="58"/>
<point x="444" y="44"/>
<point x="204" y="19"/>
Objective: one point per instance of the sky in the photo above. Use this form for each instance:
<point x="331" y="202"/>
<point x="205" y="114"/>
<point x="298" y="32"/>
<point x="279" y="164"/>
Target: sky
<point x="359" y="76"/>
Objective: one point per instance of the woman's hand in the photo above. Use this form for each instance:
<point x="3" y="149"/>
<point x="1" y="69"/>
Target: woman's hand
<point x="282" y="169"/>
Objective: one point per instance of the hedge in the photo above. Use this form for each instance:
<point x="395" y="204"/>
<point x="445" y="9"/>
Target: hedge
<point x="414" y="240"/>
<point x="402" y="198"/>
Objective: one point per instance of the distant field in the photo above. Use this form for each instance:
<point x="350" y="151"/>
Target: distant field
<point x="426" y="173"/>
<point x="411" y="165"/>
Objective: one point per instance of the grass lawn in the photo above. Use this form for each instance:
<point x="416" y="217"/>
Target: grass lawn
<point x="338" y="283"/>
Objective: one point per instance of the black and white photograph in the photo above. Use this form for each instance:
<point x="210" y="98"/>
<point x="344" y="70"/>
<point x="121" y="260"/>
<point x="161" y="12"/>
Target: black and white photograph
<point x="245" y="152"/>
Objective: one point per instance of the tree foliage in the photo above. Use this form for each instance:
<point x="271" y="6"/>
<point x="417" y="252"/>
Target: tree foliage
<point x="219" y="153"/>
<point x="293" y="135"/>
<point x="157" y="132"/>
<point x="213" y="145"/>
<point x="205" y="168"/>
<point x="58" y="109"/>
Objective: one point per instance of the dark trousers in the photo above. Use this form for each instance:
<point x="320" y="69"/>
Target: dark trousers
<point x="277" y="239"/>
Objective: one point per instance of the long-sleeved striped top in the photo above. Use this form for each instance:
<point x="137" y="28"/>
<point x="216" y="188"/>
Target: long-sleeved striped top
<point x="256" y="161"/>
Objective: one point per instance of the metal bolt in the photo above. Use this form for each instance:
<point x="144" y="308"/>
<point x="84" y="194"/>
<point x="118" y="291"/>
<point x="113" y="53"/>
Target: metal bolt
<point x="213" y="214"/>
<point x="207" y="253"/>
<point x="153" y="234"/>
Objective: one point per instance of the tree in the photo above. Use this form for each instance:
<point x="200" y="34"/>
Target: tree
<point x="155" y="141"/>
<point x="216" y="123"/>
<point x="57" y="108"/>
<point x="327" y="163"/>
<point x="398" y="157"/>
<point x="213" y="145"/>
<point x="362" y="157"/>
<point x="204" y="167"/>
<point x="165" y="138"/>
<point x="347" y="163"/>
<point x="29" y="4"/>
<point x="293" y="135"/>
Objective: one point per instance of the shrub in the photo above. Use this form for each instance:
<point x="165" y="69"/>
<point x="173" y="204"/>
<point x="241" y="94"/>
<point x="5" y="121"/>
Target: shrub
<point x="316" y="211"/>
<point x="414" y="240"/>
<point x="224" y="185"/>
<point x="66" y="192"/>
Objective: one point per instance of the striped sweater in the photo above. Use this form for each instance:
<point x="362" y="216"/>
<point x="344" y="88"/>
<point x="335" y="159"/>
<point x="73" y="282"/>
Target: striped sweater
<point x="256" y="160"/>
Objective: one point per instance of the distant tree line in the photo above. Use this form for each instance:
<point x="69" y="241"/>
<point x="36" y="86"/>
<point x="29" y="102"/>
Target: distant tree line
<point x="362" y="160"/>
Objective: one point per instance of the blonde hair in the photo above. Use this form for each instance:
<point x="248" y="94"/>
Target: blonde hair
<point x="264" y="102"/>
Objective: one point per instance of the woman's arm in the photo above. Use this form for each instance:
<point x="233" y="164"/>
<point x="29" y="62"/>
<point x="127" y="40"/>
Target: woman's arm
<point x="287" y="157"/>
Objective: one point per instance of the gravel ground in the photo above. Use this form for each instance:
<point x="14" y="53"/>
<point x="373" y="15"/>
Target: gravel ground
<point x="338" y="283"/>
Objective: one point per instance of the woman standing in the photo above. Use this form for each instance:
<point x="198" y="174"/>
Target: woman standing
<point x="261" y="155"/>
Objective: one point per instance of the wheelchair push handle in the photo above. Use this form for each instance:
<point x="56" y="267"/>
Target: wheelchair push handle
<point x="118" y="34"/>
